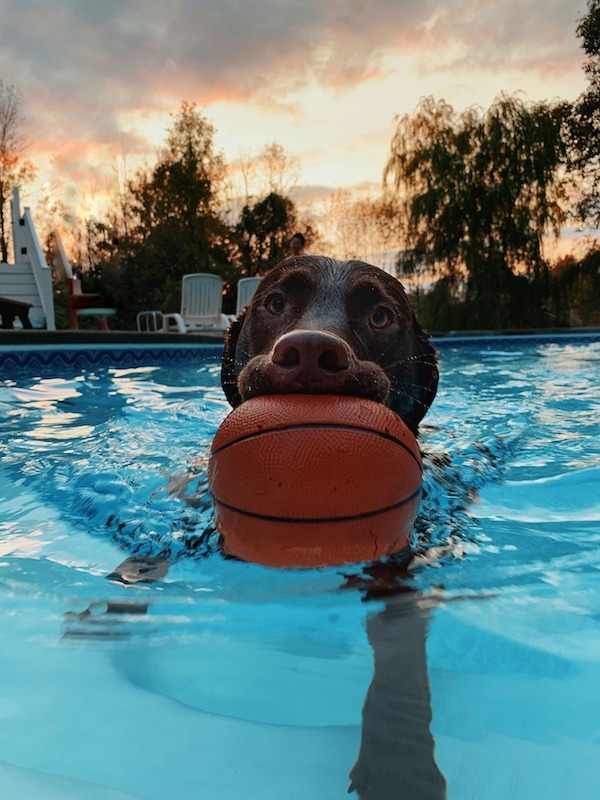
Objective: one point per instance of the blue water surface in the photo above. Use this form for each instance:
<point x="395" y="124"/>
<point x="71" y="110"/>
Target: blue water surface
<point x="225" y="680"/>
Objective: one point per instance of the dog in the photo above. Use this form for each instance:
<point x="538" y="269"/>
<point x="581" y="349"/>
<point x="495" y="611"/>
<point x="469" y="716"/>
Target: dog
<point x="322" y="326"/>
<point x="317" y="325"/>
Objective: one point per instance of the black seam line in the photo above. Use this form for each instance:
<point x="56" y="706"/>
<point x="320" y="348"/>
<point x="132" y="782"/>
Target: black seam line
<point x="317" y="425"/>
<point x="313" y="520"/>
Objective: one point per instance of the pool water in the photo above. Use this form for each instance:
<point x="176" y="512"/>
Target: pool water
<point x="225" y="680"/>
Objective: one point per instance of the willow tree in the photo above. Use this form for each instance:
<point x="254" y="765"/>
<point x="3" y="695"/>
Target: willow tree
<point x="585" y="122"/>
<point x="480" y="189"/>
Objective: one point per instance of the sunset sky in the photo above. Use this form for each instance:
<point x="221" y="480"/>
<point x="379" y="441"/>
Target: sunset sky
<point x="324" y="78"/>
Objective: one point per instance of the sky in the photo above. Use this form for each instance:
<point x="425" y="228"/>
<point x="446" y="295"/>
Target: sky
<point x="100" y="79"/>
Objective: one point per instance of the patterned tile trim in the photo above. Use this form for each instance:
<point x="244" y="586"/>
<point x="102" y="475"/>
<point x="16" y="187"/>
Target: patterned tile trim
<point x="42" y="360"/>
<point x="15" y="360"/>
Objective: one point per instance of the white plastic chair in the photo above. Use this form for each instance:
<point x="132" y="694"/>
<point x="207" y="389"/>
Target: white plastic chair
<point x="201" y="305"/>
<point x="245" y="292"/>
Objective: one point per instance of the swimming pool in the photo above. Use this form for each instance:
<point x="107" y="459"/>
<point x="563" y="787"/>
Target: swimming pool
<point x="227" y="680"/>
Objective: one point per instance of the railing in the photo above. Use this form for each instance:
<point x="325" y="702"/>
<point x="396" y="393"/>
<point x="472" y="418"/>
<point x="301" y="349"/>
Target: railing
<point x="29" y="279"/>
<point x="41" y="271"/>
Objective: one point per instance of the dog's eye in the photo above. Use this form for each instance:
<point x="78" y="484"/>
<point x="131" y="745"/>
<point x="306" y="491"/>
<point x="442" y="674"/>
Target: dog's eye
<point x="380" y="317"/>
<point x="275" y="303"/>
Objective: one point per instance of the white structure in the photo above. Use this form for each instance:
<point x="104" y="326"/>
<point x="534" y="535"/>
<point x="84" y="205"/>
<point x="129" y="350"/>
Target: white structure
<point x="201" y="305"/>
<point x="29" y="279"/>
<point x="245" y="292"/>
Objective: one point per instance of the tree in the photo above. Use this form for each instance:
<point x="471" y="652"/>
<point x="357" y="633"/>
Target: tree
<point x="574" y="290"/>
<point x="263" y="231"/>
<point x="480" y="190"/>
<point x="588" y="31"/>
<point x="176" y="205"/>
<point x="585" y="122"/>
<point x="15" y="169"/>
<point x="364" y="228"/>
<point x="173" y="224"/>
<point x="280" y="170"/>
<point x="272" y="171"/>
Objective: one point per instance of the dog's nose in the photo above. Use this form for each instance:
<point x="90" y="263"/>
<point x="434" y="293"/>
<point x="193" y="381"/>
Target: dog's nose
<point x="311" y="357"/>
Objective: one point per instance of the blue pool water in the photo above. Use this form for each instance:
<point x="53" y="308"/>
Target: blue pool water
<point x="226" y="680"/>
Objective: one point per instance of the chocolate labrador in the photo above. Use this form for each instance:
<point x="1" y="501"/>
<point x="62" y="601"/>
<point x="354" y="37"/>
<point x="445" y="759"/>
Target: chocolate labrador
<point x="317" y="325"/>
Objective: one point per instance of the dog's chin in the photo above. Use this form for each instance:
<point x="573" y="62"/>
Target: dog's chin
<point x="258" y="378"/>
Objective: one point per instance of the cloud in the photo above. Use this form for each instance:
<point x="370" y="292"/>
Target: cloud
<point x="119" y="52"/>
<point x="529" y="35"/>
<point x="110" y="72"/>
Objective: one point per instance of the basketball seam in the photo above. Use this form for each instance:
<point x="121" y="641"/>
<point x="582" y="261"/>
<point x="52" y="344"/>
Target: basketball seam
<point x="316" y="425"/>
<point x="319" y="520"/>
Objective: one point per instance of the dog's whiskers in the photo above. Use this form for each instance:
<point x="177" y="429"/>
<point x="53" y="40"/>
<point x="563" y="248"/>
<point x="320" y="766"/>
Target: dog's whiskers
<point x="414" y="400"/>
<point x="414" y="359"/>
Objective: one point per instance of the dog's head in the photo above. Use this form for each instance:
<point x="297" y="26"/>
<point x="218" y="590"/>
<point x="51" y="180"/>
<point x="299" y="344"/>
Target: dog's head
<point x="317" y="325"/>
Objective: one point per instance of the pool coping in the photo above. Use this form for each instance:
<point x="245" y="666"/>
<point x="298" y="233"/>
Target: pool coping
<point x="44" y="351"/>
<point x="42" y="338"/>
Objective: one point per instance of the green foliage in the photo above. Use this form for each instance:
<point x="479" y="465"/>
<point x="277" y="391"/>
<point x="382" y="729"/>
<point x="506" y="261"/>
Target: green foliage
<point x="574" y="296"/>
<point x="588" y="31"/>
<point x="480" y="190"/>
<point x="584" y="126"/>
<point x="569" y="296"/>
<point x="173" y="225"/>
<point x="263" y="232"/>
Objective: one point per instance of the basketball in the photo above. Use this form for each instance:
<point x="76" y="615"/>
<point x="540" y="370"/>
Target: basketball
<point x="314" y="480"/>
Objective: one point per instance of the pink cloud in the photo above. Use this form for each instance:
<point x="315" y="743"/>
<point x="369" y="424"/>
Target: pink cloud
<point x="84" y="66"/>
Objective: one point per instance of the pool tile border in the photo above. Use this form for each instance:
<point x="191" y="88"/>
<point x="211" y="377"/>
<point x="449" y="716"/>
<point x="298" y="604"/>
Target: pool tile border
<point x="54" y="357"/>
<point x="31" y="358"/>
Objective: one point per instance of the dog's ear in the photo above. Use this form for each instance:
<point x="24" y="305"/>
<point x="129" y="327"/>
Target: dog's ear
<point x="424" y="376"/>
<point x="415" y="379"/>
<point x="228" y="371"/>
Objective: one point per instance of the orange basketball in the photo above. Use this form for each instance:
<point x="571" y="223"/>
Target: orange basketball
<point x="314" y="480"/>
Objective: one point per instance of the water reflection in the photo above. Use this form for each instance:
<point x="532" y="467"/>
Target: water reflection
<point x="396" y="759"/>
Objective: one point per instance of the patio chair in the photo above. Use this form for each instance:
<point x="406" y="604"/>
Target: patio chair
<point x="245" y="292"/>
<point x="80" y="304"/>
<point x="201" y="305"/>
